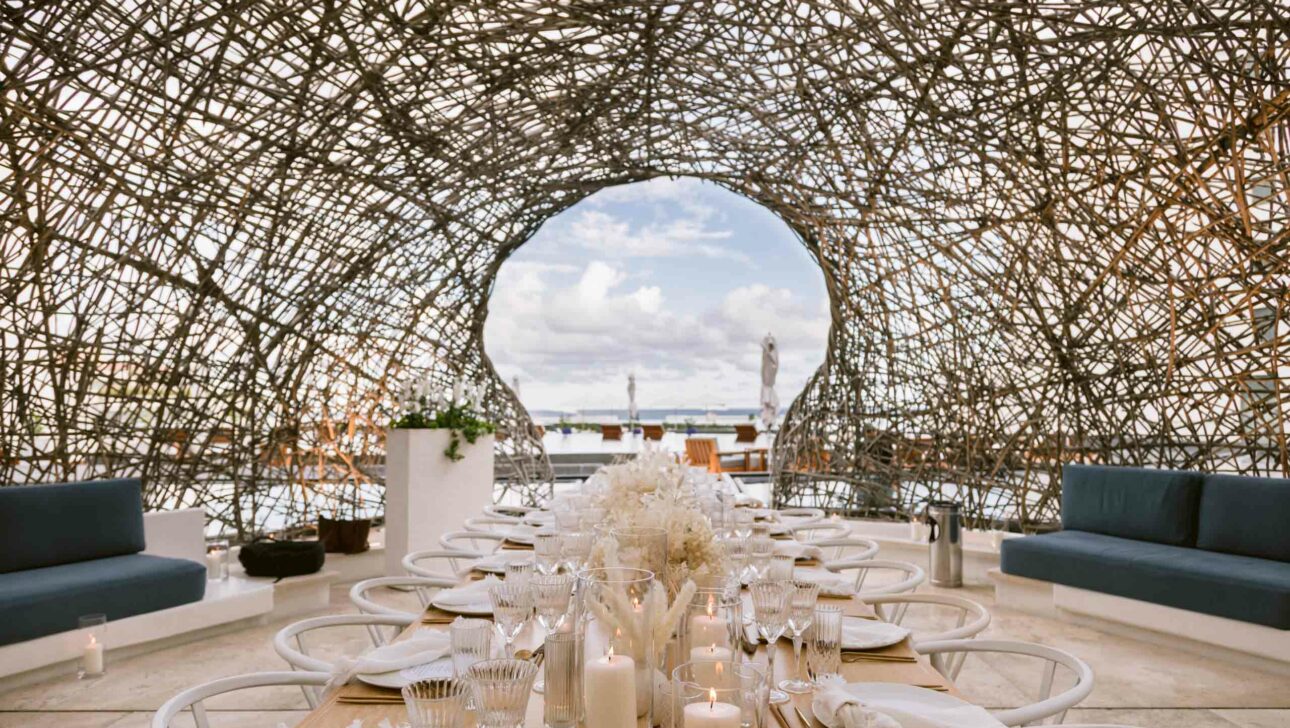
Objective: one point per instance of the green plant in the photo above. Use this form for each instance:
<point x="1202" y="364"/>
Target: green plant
<point x="455" y="412"/>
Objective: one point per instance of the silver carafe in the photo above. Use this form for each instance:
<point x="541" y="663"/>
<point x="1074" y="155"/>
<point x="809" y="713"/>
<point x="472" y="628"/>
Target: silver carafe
<point x="945" y="544"/>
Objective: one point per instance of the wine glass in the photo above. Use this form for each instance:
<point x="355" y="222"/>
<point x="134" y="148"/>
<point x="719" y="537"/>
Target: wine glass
<point x="546" y="552"/>
<point x="743" y="522"/>
<point x="760" y="551"/>
<point x="552" y="595"/>
<point x="802" y="598"/>
<point x="574" y="550"/>
<point x="781" y="567"/>
<point x="770" y="614"/>
<point x="512" y="607"/>
<point x="519" y="573"/>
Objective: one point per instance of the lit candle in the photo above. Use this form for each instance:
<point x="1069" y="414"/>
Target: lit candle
<point x="214" y="565"/>
<point x="710" y="629"/>
<point x="609" y="684"/>
<point x="92" y="658"/>
<point x="711" y="666"/>
<point x="712" y="714"/>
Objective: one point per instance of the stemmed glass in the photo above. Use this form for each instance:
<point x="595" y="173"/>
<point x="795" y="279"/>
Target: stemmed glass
<point x="743" y="522"/>
<point x="546" y="552"/>
<point x="512" y="607"/>
<point x="760" y="551"/>
<point x="552" y="595"/>
<point x="781" y="567"/>
<point x="801" y="610"/>
<point x="574" y="550"/>
<point x="770" y="612"/>
<point x="471" y="641"/>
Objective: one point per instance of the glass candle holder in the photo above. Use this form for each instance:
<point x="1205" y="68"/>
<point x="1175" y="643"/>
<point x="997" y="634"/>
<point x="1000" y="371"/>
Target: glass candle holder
<point x="713" y="626"/>
<point x="217" y="560"/>
<point x="435" y="703"/>
<point x="718" y="695"/>
<point x="614" y="615"/>
<point x="645" y="549"/>
<point x="562" y="666"/>
<point x="92" y="629"/>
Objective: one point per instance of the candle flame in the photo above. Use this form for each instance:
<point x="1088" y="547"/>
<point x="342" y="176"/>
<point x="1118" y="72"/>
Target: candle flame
<point x="92" y="641"/>
<point x="718" y="668"/>
<point x="712" y="698"/>
<point x="609" y="655"/>
<point x="712" y="607"/>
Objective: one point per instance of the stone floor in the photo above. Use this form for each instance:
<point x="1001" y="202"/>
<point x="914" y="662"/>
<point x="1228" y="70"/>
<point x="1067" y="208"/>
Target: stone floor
<point x="1137" y="683"/>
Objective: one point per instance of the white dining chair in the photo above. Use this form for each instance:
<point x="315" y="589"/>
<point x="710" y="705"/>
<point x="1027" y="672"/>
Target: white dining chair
<point x="799" y="516"/>
<point x="487" y="542"/>
<point x="813" y="533"/>
<point x="1048" y="705"/>
<point x="971" y="618"/>
<point x="289" y="642"/>
<point x="192" y="698"/>
<point x="513" y="514"/>
<point x="424" y="587"/>
<point x="851" y="548"/>
<point x="492" y="523"/>
<point x="454" y="563"/>
<point x="912" y="576"/>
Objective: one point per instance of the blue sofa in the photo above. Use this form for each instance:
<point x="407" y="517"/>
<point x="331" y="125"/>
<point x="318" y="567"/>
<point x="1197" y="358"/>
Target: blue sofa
<point x="1215" y="544"/>
<point x="72" y="549"/>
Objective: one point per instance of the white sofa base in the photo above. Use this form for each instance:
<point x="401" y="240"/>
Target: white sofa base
<point x="1242" y="643"/>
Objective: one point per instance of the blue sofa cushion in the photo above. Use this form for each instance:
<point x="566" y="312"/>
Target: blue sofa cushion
<point x="1225" y="585"/>
<point x="1147" y="505"/>
<point x="46" y="525"/>
<point x="49" y="600"/>
<point x="1247" y="516"/>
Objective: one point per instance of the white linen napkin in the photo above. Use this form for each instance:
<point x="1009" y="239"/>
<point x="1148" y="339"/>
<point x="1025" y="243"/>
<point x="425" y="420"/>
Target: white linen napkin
<point x="831" y="584"/>
<point x="423" y="646"/>
<point x="838" y="708"/>
<point x="864" y="634"/>
<point x="476" y="592"/>
<point x="798" y="551"/>
<point x="499" y="560"/>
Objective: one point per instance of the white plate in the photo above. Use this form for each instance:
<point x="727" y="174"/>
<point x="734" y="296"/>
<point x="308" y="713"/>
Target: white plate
<point x="877" y="634"/>
<point x="920" y="706"/>
<point x="496" y="563"/>
<point x="521" y="535"/>
<point x="440" y="669"/>
<point x="482" y="608"/>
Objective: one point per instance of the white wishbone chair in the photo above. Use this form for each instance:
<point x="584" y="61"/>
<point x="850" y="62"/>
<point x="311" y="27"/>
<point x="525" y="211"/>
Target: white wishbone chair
<point x="491" y="523"/>
<point x="512" y="514"/>
<point x="456" y="563"/>
<point x="851" y="548"/>
<point x="972" y="619"/>
<point x="193" y="697"/>
<point x="298" y="657"/>
<point x="813" y="533"/>
<point x="486" y="542"/>
<point x="1048" y="705"/>
<point x="424" y="586"/>
<point x="799" y="516"/>
<point x="913" y="575"/>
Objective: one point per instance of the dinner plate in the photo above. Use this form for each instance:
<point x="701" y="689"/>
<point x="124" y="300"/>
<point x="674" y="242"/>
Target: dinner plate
<point x="521" y="536"/>
<point x="482" y="608"/>
<point x="496" y="563"/>
<point x="875" y="634"/>
<point x="440" y="669"/>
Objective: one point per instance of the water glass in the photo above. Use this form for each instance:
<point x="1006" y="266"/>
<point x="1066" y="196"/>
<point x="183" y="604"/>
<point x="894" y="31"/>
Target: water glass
<point x="568" y="521"/>
<point x="760" y="551"/>
<point x="546" y="552"/>
<point x="770" y="614"/>
<point x="824" y="641"/>
<point x="519" y="573"/>
<point x="512" y="607"/>
<point x="592" y="517"/>
<point x="562" y="665"/>
<point x="552" y="596"/>
<point x="781" y="568"/>
<point x="436" y="703"/>
<point x="501" y="690"/>
<point x="471" y="641"/>
<point x="743" y="522"/>
<point x="802" y="598"/>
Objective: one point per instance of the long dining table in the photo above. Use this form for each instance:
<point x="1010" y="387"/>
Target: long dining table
<point x="898" y="663"/>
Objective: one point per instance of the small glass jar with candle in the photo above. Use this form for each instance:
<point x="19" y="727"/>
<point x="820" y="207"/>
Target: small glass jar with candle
<point x="93" y="627"/>
<point x="719" y="695"/>
<point x="713" y="626"/>
<point x="614" y="614"/>
<point x="217" y="560"/>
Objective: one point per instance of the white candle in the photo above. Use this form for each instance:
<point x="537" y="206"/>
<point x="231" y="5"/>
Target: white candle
<point x="92" y="658"/>
<point x="711" y="714"/>
<point x="712" y="666"/>
<point x="214" y="565"/>
<point x="709" y="629"/>
<point x="609" y="684"/>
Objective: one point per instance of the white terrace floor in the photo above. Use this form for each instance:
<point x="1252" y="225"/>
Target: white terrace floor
<point x="1137" y="683"/>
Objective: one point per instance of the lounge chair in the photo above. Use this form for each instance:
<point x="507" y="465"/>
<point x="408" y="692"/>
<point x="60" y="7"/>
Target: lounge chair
<point x="611" y="432"/>
<point x="745" y="433"/>
<point x="653" y="432"/>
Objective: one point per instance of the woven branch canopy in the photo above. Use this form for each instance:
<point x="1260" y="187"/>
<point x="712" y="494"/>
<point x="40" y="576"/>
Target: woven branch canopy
<point x="1050" y="231"/>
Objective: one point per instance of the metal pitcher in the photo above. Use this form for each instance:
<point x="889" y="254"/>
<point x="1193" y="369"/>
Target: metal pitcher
<point x="945" y="544"/>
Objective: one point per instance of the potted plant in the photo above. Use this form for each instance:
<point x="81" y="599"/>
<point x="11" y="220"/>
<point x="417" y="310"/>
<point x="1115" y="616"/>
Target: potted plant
<point x="565" y="427"/>
<point x="453" y="411"/>
<point x="690" y="429"/>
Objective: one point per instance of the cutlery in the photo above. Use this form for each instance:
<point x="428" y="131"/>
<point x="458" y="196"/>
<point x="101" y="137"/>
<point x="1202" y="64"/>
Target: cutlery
<point x="779" y="716"/>
<point x="806" y="722"/>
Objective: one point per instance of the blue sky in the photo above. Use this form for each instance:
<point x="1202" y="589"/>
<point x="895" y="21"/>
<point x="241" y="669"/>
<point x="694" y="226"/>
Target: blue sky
<point x="676" y="280"/>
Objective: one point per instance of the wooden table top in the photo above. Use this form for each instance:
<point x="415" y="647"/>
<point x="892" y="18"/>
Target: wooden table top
<point x="897" y="664"/>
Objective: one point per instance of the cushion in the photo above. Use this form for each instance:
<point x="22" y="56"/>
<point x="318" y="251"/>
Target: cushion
<point x="45" y="525"/>
<point x="1247" y="516"/>
<point x="44" y="601"/>
<point x="1147" y="505"/>
<point x="1224" y="585"/>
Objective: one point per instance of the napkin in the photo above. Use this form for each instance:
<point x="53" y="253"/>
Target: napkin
<point x="831" y="584"/>
<point x="798" y="551"/>
<point x="500" y="559"/>
<point x="864" y="634"/>
<point x="422" y="647"/>
<point x="476" y="592"/>
<point x="838" y="708"/>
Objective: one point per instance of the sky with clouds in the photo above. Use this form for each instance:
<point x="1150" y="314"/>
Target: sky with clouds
<point x="676" y="280"/>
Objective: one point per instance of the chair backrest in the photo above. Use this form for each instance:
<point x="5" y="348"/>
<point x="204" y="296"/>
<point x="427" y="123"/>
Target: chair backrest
<point x="913" y="575"/>
<point x="1048" y="705"/>
<point x="611" y="432"/>
<point x="800" y="516"/>
<point x="972" y="618"/>
<point x="1244" y="515"/>
<point x="490" y="523"/>
<point x="486" y="541"/>
<point x="424" y="586"/>
<point x="62" y="523"/>
<point x="820" y="531"/>
<point x="652" y="432"/>
<point x="193" y="697"/>
<point x="290" y="646"/>
<point x="699" y="451"/>
<point x="745" y="433"/>
<point x="414" y="563"/>
<point x="851" y="548"/>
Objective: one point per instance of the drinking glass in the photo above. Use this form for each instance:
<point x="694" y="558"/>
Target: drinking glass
<point x="802" y="598"/>
<point x="737" y="558"/>
<point x="512" y="607"/>
<point x="471" y="641"/>
<point x="519" y="573"/>
<point x="552" y="596"/>
<point x="93" y="628"/>
<point x="759" y="530"/>
<point x="743" y="522"/>
<point x="770" y="613"/>
<point x="781" y="567"/>
<point x="546" y="552"/>
<point x="501" y="689"/>
<point x="824" y="641"/>
<point x="575" y="547"/>
<point x="613" y="611"/>
<point x="561" y="667"/>
<point x="760" y="551"/>
<point x="435" y="703"/>
<point x="592" y="517"/>
<point x="566" y="521"/>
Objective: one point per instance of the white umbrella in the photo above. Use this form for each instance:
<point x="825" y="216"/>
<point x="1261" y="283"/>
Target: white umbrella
<point x="632" y="413"/>
<point x="515" y="385"/>
<point x="769" y="368"/>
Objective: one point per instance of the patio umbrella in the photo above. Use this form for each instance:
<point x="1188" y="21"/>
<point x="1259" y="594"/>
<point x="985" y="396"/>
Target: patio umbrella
<point x="769" y="368"/>
<point x="515" y="385"/>
<point x="632" y="413"/>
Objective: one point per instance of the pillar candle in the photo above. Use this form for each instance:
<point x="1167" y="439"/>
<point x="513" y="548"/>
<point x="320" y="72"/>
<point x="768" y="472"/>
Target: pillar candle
<point x="713" y="666"/>
<point x="92" y="658"/>
<point x="711" y="714"/>
<point x="709" y="629"/>
<point x="609" y="684"/>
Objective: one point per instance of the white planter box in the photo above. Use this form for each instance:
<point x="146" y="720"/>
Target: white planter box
<point x="428" y="495"/>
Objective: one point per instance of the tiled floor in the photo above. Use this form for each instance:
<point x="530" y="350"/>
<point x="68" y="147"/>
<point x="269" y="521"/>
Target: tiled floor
<point x="1138" y="684"/>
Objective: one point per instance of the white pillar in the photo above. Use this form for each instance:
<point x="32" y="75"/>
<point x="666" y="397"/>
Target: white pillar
<point x="428" y="495"/>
